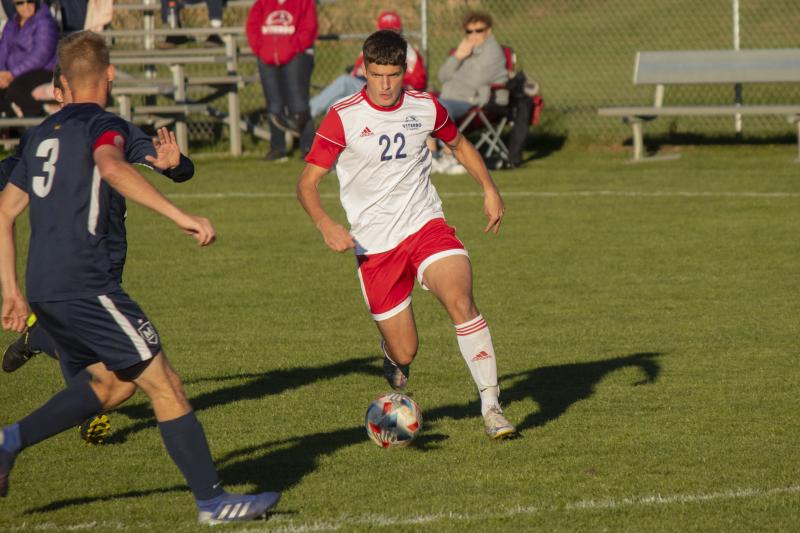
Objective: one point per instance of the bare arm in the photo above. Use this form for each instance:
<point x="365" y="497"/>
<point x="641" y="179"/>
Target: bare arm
<point x="493" y="205"/>
<point x="13" y="201"/>
<point x="129" y="183"/>
<point x="335" y="235"/>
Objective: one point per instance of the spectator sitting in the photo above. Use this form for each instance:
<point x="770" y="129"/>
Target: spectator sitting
<point x="27" y="57"/>
<point x="468" y="74"/>
<point x="172" y="8"/>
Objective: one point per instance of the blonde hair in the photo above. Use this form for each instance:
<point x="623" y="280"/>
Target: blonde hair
<point x="83" y="57"/>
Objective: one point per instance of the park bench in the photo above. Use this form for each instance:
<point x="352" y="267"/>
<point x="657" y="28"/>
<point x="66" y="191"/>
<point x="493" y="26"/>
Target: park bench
<point x="734" y="67"/>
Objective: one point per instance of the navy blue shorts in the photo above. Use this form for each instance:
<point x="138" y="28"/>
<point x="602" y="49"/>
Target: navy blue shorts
<point x="111" y="329"/>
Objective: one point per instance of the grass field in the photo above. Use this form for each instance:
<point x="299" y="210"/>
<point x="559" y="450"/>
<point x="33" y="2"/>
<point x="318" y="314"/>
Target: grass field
<point x="645" y="317"/>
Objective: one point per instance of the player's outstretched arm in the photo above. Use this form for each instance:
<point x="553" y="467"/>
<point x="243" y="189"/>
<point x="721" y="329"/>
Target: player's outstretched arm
<point x="132" y="185"/>
<point x="335" y="235"/>
<point x="493" y="205"/>
<point x="15" y="311"/>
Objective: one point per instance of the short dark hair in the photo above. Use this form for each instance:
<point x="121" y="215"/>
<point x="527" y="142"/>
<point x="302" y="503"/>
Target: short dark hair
<point x="385" y="47"/>
<point x="477" y="16"/>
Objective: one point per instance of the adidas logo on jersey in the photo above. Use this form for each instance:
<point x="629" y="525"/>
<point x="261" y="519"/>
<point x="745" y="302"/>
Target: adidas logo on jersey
<point x="481" y="356"/>
<point x="366" y="132"/>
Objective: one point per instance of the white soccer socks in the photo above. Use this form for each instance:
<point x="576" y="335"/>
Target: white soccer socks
<point x="475" y="343"/>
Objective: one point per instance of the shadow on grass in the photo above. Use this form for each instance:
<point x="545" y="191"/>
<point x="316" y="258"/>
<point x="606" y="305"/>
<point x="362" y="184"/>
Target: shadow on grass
<point x="556" y="388"/>
<point x="282" y="464"/>
<point x="256" y="387"/>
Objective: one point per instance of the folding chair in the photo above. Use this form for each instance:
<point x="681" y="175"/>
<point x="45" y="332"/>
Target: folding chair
<point x="490" y="120"/>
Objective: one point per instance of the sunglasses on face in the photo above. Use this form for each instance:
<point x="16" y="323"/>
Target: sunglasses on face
<point x="476" y="30"/>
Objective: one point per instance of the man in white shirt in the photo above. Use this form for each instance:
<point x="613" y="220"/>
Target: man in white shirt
<point x="376" y="140"/>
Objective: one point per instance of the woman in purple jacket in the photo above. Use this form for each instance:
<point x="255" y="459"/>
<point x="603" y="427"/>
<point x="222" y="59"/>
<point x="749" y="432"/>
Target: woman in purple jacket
<point x="27" y="57"/>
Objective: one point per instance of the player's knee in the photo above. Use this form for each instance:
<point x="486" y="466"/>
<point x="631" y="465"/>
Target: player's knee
<point x="462" y="307"/>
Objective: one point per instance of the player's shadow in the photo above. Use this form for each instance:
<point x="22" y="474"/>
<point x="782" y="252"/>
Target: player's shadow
<point x="257" y="386"/>
<point x="281" y="464"/>
<point x="556" y="388"/>
<point x="553" y="388"/>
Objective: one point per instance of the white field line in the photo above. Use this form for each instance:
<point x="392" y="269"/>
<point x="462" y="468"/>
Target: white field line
<point x="279" y="524"/>
<point x="533" y="194"/>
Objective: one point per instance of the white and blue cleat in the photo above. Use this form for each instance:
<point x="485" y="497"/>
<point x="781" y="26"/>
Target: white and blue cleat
<point x="396" y="375"/>
<point x="236" y="507"/>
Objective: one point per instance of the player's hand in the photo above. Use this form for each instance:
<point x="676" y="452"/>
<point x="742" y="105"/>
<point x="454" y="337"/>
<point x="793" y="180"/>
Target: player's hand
<point x="464" y="49"/>
<point x="168" y="154"/>
<point x="336" y="236"/>
<point x="15" y="313"/>
<point x="5" y="78"/>
<point x="199" y="228"/>
<point x="494" y="209"/>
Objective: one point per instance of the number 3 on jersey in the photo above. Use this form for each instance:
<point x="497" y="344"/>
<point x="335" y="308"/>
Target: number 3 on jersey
<point x="386" y="142"/>
<point x="47" y="149"/>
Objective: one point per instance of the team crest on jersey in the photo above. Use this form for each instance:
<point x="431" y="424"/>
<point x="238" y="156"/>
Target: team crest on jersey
<point x="411" y="122"/>
<point x="366" y="132"/>
<point x="149" y="333"/>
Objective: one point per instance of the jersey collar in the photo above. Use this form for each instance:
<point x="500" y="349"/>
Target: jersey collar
<point x="381" y="108"/>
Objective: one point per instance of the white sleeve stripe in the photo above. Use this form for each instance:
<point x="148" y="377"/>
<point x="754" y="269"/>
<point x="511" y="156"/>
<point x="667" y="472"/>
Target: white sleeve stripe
<point x="442" y="126"/>
<point x="331" y="140"/>
<point x="126" y="327"/>
<point x="94" y="202"/>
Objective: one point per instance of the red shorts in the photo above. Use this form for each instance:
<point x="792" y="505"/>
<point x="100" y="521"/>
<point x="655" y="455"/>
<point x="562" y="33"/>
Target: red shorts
<point x="387" y="278"/>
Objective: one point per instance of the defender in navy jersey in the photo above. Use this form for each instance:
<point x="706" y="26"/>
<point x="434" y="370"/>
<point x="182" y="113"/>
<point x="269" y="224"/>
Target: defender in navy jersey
<point x="65" y="176"/>
<point x="161" y="154"/>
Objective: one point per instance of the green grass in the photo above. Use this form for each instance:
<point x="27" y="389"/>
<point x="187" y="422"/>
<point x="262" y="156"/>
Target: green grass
<point x="646" y="339"/>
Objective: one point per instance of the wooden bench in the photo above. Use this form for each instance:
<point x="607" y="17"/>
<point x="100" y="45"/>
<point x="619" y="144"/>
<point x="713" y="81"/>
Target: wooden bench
<point x="733" y="67"/>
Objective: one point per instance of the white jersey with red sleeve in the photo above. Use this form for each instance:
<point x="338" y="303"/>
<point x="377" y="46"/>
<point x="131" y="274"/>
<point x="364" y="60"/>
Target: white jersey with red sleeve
<point x="383" y="164"/>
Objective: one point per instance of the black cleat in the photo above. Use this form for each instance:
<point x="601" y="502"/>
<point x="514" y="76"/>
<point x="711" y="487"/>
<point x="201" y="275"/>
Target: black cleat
<point x="18" y="353"/>
<point x="95" y="430"/>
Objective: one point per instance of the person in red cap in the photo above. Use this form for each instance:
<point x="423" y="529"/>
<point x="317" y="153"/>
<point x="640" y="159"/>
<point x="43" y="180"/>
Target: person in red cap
<point x="415" y="77"/>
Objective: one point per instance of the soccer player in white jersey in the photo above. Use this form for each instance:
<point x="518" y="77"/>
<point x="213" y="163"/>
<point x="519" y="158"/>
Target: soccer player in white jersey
<point x="376" y="140"/>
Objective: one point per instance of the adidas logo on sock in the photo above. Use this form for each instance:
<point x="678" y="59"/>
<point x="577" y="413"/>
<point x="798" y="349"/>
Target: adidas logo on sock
<point x="480" y="356"/>
<point x="366" y="132"/>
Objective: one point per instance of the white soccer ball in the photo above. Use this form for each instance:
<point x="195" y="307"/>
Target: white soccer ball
<point x="393" y="420"/>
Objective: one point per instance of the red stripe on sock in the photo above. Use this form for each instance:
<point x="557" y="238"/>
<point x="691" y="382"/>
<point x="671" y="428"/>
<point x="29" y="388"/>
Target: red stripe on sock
<point x="471" y="329"/>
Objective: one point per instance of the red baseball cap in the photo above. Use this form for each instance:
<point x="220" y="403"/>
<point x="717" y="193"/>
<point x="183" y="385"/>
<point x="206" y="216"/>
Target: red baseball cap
<point x="389" y="20"/>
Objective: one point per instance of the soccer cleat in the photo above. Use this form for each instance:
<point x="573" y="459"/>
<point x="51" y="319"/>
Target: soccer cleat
<point x="18" y="353"/>
<point x="95" y="430"/>
<point x="396" y="375"/>
<point x="236" y="507"/>
<point x="497" y="425"/>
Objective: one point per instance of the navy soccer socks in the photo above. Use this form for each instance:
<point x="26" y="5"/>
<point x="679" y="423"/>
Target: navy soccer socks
<point x="67" y="409"/>
<point x="186" y="444"/>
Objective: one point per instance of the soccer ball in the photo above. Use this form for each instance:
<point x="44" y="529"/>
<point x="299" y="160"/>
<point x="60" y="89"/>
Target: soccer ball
<point x="393" y="420"/>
